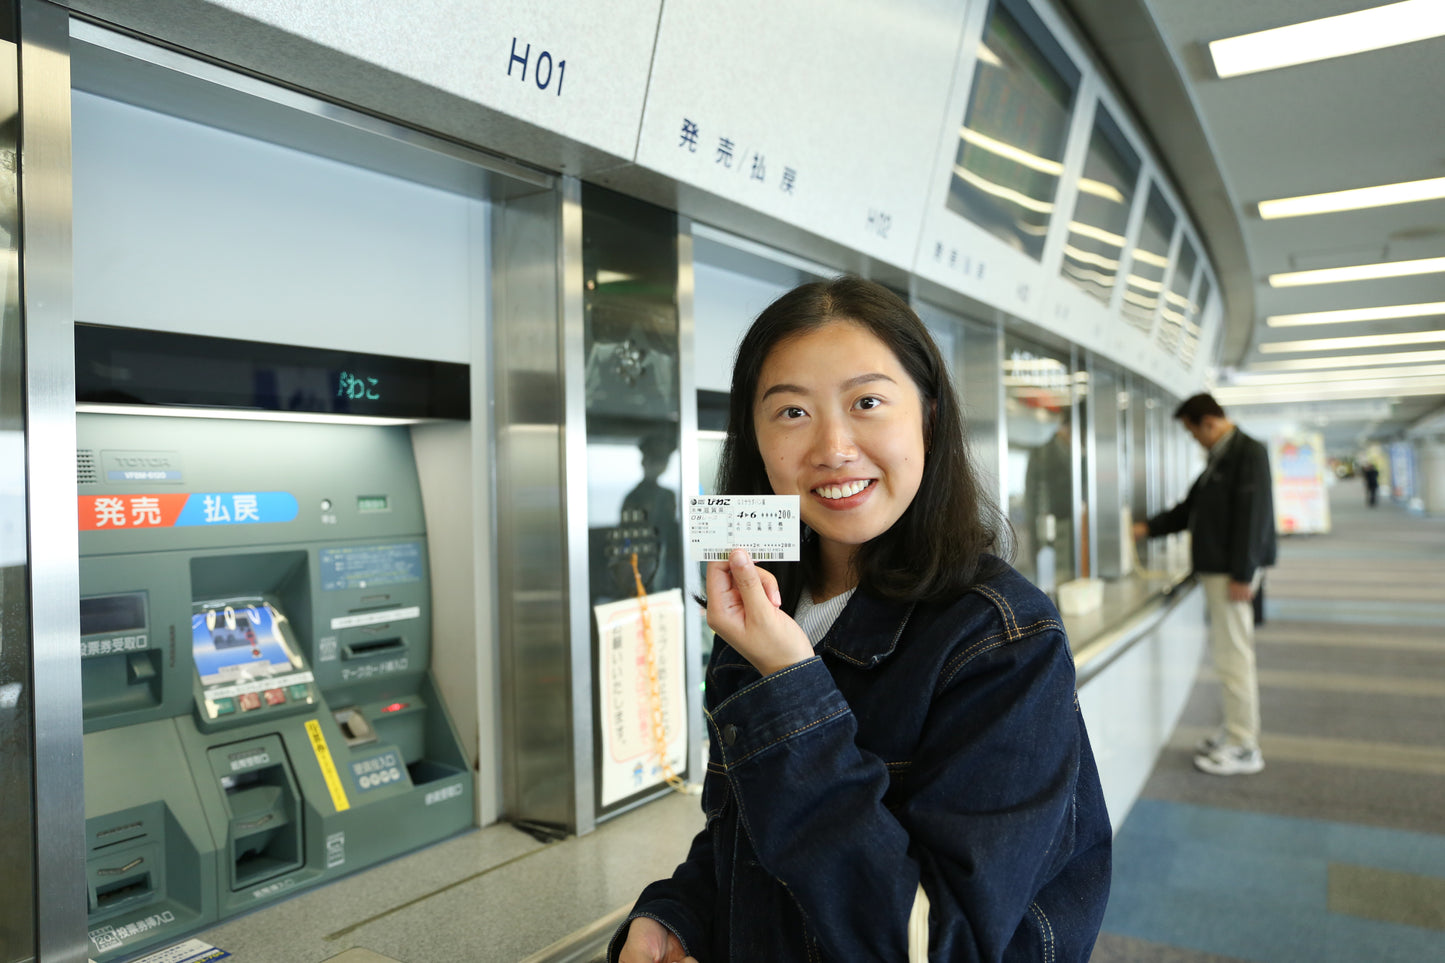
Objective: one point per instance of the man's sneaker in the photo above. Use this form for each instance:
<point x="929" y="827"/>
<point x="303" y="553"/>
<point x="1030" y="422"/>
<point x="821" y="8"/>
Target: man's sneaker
<point x="1230" y="761"/>
<point x="1215" y="740"/>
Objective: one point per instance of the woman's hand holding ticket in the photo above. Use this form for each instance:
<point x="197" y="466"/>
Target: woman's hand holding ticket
<point x="744" y="607"/>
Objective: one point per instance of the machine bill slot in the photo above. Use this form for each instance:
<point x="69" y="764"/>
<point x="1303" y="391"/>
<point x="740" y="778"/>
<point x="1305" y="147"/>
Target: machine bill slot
<point x="122" y="877"/>
<point x="132" y="889"/>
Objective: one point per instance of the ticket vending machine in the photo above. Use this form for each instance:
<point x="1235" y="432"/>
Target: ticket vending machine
<point x="256" y="635"/>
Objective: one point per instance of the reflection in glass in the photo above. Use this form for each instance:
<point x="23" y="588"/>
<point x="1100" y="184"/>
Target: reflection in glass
<point x="1038" y="401"/>
<point x="1145" y="283"/>
<point x="1101" y="210"/>
<point x="1189" y="343"/>
<point x="1011" y="145"/>
<point x="972" y="352"/>
<point x="629" y="265"/>
<point x="1177" y="307"/>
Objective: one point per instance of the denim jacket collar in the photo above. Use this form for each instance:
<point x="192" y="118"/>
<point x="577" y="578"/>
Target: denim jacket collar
<point x="867" y="630"/>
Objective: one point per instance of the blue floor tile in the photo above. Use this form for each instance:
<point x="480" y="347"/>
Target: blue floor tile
<point x="1255" y="886"/>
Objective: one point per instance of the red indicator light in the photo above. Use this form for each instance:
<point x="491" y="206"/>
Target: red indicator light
<point x="394" y="707"/>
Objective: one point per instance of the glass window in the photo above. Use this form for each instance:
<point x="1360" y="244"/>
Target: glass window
<point x="971" y="351"/>
<point x="1011" y="146"/>
<point x="1150" y="263"/>
<point x="1189" y="344"/>
<point x="1101" y="210"/>
<point x="1038" y="411"/>
<point x="1177" y="307"/>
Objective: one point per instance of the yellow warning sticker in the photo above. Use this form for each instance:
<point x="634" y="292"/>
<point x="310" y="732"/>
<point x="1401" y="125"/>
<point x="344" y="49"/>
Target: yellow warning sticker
<point x="328" y="765"/>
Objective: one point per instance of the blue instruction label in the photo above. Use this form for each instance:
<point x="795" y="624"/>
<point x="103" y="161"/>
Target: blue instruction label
<point x="367" y="566"/>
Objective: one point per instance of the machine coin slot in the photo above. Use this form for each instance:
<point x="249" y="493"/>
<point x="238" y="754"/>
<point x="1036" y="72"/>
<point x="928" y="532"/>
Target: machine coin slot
<point x="368" y="648"/>
<point x="354" y="727"/>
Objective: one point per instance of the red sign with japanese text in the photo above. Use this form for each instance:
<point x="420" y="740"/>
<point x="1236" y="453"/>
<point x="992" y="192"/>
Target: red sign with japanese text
<point x="130" y="511"/>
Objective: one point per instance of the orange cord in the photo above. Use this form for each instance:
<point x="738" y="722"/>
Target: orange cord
<point x="649" y="649"/>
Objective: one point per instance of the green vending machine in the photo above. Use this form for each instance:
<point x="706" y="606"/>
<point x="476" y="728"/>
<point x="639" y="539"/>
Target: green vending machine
<point x="260" y="715"/>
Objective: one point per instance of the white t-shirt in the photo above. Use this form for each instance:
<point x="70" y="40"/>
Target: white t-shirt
<point x="817" y="618"/>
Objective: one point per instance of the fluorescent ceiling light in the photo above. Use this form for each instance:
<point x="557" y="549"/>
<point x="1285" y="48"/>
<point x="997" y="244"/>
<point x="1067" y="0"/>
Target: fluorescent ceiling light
<point x="1018" y="155"/>
<point x="1096" y="233"/>
<point x="1358" y="272"/>
<point x="1307" y="393"/>
<point x="1383" y="195"/>
<point x="1099" y="189"/>
<point x="1001" y="192"/>
<point x="1361" y="341"/>
<point x="1348" y="361"/>
<point x="1384" y="312"/>
<point x="1348" y="33"/>
<point x="1253" y="378"/>
<point x="1147" y="256"/>
<point x="236" y="414"/>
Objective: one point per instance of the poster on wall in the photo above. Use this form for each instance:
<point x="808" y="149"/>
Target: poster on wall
<point x="1300" y="504"/>
<point x="641" y="696"/>
<point x="1402" y="471"/>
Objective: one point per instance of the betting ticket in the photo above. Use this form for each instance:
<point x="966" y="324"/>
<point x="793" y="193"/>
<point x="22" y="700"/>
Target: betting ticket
<point x="767" y="526"/>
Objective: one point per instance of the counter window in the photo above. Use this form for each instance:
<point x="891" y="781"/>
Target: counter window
<point x="1189" y="344"/>
<point x="1178" y="309"/>
<point x="1011" y="145"/>
<point x="1150" y="263"/>
<point x="1038" y="411"/>
<point x="1101" y="210"/>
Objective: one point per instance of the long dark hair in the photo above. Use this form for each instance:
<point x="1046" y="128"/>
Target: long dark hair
<point x="943" y="542"/>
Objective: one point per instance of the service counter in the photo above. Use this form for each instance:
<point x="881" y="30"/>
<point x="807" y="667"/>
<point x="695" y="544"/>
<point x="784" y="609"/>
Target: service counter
<point x="498" y="894"/>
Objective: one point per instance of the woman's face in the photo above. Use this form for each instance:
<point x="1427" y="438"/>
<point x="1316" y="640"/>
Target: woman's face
<point x="840" y="424"/>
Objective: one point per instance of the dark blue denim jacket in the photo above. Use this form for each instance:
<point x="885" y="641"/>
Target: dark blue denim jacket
<point x="939" y="742"/>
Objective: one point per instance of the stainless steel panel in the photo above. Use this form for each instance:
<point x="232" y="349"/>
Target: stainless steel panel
<point x="51" y="484"/>
<point x="687" y="389"/>
<point x="573" y="364"/>
<point x="17" y="788"/>
<point x="1108" y="481"/>
<point x="539" y="766"/>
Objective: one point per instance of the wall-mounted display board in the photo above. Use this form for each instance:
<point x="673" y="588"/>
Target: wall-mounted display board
<point x="579" y="70"/>
<point x="824" y="116"/>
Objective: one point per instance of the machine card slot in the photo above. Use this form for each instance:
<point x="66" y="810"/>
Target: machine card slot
<point x="133" y="832"/>
<point x="367" y="648"/>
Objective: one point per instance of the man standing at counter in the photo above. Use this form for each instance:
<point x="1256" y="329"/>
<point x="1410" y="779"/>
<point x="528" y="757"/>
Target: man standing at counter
<point x="1229" y="513"/>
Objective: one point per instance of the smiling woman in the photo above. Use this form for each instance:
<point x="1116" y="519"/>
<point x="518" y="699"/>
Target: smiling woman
<point x="898" y="769"/>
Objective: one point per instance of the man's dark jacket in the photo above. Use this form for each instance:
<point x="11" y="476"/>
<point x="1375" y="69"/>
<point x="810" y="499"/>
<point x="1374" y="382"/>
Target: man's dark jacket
<point x="1229" y="512"/>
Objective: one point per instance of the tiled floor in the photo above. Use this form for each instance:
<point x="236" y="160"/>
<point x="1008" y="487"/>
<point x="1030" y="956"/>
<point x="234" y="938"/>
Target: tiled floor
<point x="1337" y="850"/>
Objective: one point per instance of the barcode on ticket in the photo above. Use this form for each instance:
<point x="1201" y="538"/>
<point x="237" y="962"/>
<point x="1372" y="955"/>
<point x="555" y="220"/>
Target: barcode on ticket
<point x="722" y="556"/>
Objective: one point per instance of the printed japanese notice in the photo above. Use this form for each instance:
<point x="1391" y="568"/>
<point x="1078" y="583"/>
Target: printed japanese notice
<point x="767" y="526"/>
<point x="642" y="700"/>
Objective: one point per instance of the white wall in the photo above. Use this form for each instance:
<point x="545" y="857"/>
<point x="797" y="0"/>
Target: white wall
<point x="183" y="227"/>
<point x="1131" y="707"/>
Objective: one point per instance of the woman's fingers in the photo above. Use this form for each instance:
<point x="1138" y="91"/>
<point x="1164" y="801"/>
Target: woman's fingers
<point x="748" y="579"/>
